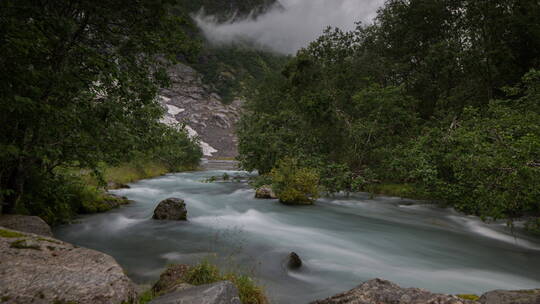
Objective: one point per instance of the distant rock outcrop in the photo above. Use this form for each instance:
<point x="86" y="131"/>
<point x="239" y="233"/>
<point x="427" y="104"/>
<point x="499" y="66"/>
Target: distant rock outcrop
<point x="189" y="101"/>
<point x="26" y="223"/>
<point x="379" y="291"/>
<point x="40" y="270"/>
<point x="173" y="209"/>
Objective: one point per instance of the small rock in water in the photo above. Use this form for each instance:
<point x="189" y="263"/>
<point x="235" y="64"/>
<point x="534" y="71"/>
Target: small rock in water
<point x="173" y="209"/>
<point x="265" y="192"/>
<point x="294" y="261"/>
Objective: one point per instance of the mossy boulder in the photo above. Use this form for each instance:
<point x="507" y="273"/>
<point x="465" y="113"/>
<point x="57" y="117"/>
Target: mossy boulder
<point x="43" y="270"/>
<point x="171" y="279"/>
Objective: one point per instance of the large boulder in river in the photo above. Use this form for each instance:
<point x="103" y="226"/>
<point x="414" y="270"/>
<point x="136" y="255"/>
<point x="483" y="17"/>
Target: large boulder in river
<point x="379" y="291"/>
<point x="216" y="293"/>
<point x="25" y="223"/>
<point x="265" y="192"/>
<point x="173" y="209"/>
<point x="39" y="270"/>
<point x="531" y="296"/>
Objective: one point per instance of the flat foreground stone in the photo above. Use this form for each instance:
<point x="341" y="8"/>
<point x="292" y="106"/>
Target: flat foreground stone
<point x="217" y="293"/>
<point x="379" y="291"/>
<point x="531" y="296"/>
<point x="39" y="270"/>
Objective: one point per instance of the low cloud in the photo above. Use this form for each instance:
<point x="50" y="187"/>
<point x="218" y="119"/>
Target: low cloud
<point x="291" y="26"/>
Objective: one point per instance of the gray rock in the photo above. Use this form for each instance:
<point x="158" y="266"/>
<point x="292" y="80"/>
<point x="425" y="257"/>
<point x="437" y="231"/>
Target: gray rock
<point x="379" y="291"/>
<point x="217" y="293"/>
<point x="173" y="209"/>
<point x="265" y="192"/>
<point x="39" y="270"/>
<point x="531" y="296"/>
<point x="25" y="223"/>
<point x="294" y="261"/>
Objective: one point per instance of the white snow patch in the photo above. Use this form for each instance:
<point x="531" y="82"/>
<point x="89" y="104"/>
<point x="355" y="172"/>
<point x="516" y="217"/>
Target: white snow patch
<point x="207" y="149"/>
<point x="165" y="99"/>
<point x="173" y="110"/>
<point x="169" y="120"/>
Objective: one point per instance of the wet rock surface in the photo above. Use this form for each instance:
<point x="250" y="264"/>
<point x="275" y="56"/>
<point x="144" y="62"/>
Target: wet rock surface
<point x="216" y="293"/>
<point x="37" y="269"/>
<point x="172" y="209"/>
<point x="294" y="261"/>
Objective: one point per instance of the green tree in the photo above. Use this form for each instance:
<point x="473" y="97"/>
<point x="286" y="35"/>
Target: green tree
<point x="78" y="81"/>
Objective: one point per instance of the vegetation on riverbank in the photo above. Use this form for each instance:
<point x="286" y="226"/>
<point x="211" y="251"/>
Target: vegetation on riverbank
<point x="203" y="273"/>
<point x="206" y="273"/>
<point x="440" y="96"/>
<point x="78" y="94"/>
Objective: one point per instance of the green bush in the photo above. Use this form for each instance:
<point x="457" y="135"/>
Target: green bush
<point x="294" y="184"/>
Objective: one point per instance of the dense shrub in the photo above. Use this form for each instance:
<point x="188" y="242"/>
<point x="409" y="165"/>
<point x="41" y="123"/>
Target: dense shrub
<point x="294" y="184"/>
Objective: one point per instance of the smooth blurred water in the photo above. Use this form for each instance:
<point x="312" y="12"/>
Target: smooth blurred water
<point x="342" y="241"/>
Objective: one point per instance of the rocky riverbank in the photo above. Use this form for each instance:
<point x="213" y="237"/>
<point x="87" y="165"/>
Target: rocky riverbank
<point x="37" y="268"/>
<point x="379" y="291"/>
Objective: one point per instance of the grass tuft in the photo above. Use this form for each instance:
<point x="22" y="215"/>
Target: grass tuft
<point x="145" y="297"/>
<point x="206" y="273"/>
<point x="10" y="234"/>
<point x="471" y="297"/>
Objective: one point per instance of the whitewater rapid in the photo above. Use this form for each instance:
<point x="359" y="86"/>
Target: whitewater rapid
<point x="342" y="241"/>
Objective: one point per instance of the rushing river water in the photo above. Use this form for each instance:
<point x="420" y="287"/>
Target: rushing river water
<point x="342" y="241"/>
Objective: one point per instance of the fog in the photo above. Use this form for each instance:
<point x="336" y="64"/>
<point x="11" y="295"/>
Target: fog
<point x="290" y="26"/>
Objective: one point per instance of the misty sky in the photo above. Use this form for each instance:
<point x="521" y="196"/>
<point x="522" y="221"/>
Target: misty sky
<point x="286" y="31"/>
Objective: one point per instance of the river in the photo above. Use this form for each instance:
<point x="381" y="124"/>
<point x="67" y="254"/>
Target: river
<point x="342" y="241"/>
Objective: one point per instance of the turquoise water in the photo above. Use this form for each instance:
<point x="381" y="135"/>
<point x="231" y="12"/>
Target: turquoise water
<point x="342" y="241"/>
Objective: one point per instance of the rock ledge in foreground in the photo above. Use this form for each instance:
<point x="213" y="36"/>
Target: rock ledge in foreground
<point x="379" y="291"/>
<point x="39" y="270"/>
<point x="216" y="293"/>
<point x="531" y="296"/>
<point x="26" y="223"/>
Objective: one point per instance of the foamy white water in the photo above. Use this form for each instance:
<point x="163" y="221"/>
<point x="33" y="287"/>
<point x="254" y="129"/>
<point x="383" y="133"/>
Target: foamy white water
<point x="342" y="241"/>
